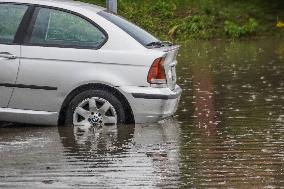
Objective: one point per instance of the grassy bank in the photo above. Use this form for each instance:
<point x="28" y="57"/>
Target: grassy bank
<point x="204" y="19"/>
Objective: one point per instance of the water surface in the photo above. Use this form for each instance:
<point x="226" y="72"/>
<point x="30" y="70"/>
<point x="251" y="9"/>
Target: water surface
<point x="228" y="132"/>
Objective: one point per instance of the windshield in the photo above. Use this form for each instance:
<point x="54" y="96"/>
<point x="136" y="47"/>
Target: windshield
<point x="136" y="32"/>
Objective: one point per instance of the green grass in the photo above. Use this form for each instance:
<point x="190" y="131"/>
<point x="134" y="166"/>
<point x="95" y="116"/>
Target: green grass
<point x="203" y="19"/>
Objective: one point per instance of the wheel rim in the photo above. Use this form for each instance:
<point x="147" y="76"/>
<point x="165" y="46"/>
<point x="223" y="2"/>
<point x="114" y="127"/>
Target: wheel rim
<point x="94" y="112"/>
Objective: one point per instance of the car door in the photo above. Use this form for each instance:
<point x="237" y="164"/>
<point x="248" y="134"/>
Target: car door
<point x="57" y="45"/>
<point x="11" y="16"/>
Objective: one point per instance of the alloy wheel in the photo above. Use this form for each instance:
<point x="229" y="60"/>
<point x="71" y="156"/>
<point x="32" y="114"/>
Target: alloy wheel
<point x="94" y="112"/>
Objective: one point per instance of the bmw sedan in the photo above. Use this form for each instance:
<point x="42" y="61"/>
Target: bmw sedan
<point x="71" y="63"/>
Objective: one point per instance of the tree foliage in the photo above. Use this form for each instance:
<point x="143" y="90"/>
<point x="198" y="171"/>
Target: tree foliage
<point x="206" y="19"/>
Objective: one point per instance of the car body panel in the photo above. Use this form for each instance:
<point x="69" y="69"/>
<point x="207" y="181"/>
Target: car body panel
<point x="8" y="72"/>
<point x="29" y="116"/>
<point x="152" y="104"/>
<point x="170" y="65"/>
<point x="66" y="69"/>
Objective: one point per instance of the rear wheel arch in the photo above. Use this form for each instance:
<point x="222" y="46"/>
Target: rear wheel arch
<point x="96" y="86"/>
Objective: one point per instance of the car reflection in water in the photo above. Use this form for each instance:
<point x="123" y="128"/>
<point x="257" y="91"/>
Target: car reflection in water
<point x="128" y="155"/>
<point x="95" y="141"/>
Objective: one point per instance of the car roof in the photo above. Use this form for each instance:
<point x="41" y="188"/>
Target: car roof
<point x="67" y="4"/>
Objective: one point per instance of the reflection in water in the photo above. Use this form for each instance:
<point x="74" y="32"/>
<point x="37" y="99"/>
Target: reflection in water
<point x="127" y="156"/>
<point x="243" y="147"/>
<point x="96" y="141"/>
<point x="229" y="132"/>
<point x="203" y="99"/>
<point x="141" y="155"/>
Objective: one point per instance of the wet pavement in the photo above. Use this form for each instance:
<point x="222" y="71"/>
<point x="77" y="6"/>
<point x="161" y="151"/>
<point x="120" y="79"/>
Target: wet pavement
<point x="228" y="132"/>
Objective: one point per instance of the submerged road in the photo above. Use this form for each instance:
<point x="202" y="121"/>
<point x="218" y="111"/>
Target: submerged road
<point x="228" y="132"/>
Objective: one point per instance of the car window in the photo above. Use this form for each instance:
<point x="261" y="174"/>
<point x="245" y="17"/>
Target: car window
<point x="53" y="27"/>
<point x="10" y="18"/>
<point x="136" y="32"/>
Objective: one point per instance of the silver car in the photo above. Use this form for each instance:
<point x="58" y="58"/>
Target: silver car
<point x="66" y="62"/>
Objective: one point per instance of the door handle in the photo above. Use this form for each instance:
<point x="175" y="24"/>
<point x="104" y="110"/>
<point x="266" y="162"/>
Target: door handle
<point x="7" y="55"/>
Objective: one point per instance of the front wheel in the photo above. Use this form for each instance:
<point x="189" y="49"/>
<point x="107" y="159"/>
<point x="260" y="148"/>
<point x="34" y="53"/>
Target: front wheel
<point x="95" y="108"/>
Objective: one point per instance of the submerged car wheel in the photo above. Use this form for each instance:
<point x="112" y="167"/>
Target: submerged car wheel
<point x="95" y="108"/>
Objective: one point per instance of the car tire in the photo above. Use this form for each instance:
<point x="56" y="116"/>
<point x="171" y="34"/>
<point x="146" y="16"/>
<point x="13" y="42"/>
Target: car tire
<point x="100" y="95"/>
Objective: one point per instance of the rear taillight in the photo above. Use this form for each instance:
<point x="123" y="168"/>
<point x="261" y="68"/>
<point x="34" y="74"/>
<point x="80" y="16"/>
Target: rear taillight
<point x="157" y="73"/>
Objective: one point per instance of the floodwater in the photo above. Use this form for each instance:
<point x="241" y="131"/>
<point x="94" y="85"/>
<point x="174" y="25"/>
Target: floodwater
<point x="228" y="132"/>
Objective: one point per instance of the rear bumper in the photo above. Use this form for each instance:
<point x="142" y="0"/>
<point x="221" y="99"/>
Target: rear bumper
<point x="152" y="104"/>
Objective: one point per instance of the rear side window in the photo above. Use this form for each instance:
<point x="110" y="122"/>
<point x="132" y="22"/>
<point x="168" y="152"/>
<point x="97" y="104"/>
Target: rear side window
<point x="136" y="32"/>
<point x="54" y="27"/>
<point x="10" y="18"/>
